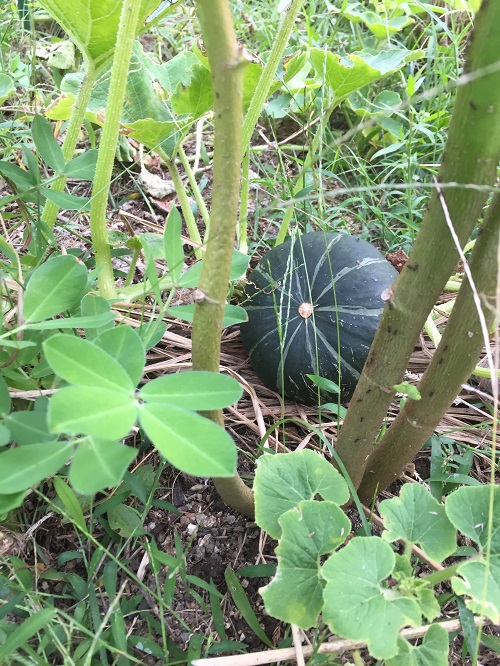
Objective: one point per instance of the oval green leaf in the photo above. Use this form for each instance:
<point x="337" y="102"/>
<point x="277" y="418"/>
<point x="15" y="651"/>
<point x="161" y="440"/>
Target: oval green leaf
<point x="192" y="443"/>
<point x="99" y="464"/>
<point x="124" y="344"/>
<point x="24" y="466"/>
<point x="55" y="286"/>
<point x="46" y="144"/>
<point x="83" y="363"/>
<point x="196" y="390"/>
<point x="90" y="410"/>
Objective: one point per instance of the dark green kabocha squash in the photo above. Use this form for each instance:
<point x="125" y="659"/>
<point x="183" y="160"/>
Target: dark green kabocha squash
<point x="313" y="305"/>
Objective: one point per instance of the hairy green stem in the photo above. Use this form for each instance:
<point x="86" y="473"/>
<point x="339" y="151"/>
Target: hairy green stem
<point x="51" y="209"/>
<point x="472" y="153"/>
<point x="196" y="190"/>
<point x="135" y="292"/>
<point x="107" y="148"/>
<point x="227" y="64"/>
<point x="131" y="270"/>
<point x="451" y="365"/>
<point x="269" y="72"/>
<point x="192" y="227"/>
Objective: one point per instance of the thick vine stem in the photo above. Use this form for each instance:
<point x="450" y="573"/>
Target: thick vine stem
<point x="51" y="209"/>
<point x="227" y="62"/>
<point x="471" y="157"/>
<point x="262" y="91"/>
<point x="109" y="138"/>
<point x="450" y="367"/>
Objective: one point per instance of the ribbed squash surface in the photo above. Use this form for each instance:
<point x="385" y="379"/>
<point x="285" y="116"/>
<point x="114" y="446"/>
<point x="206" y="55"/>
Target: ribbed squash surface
<point x="313" y="307"/>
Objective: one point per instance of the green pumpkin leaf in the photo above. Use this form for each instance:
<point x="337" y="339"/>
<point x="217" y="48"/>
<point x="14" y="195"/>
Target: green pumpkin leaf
<point x="282" y="481"/>
<point x="381" y="26"/>
<point x="60" y="108"/>
<point x="92" y="25"/>
<point x="357" y="603"/>
<point x="308" y="531"/>
<point x="196" y="98"/>
<point x="479" y="582"/>
<point x="468" y="509"/>
<point x="418" y="518"/>
<point x="433" y="651"/>
<point x="83" y="363"/>
<point x="407" y="388"/>
<point x="91" y="410"/>
<point x="190" y="442"/>
<point x="99" y="464"/>
<point x="24" y="466"/>
<point x="345" y="75"/>
<point x="195" y="390"/>
<point x="62" y="55"/>
<point x="55" y="286"/>
<point x="124" y="344"/>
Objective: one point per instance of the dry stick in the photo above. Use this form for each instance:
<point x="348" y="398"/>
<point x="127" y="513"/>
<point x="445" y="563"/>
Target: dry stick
<point x="227" y="63"/>
<point x="415" y="549"/>
<point x="471" y="157"/>
<point x="297" y="643"/>
<point x="451" y="365"/>
<point x="341" y="646"/>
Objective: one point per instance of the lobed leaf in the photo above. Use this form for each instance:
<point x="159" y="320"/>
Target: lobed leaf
<point x="309" y="530"/>
<point x="468" y="508"/>
<point x="480" y="584"/>
<point x="93" y="24"/>
<point x="418" y="518"/>
<point x="282" y="481"/>
<point x="433" y="651"/>
<point x="358" y="605"/>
